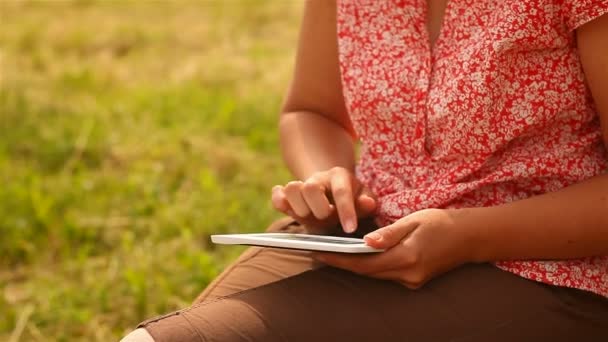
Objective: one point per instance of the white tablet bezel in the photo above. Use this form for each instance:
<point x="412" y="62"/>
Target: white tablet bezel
<point x="273" y="240"/>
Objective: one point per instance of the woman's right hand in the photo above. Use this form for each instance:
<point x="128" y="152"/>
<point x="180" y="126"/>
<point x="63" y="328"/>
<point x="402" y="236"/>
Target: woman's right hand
<point x="324" y="199"/>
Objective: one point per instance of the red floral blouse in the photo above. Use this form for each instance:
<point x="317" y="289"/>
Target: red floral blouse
<point x="497" y="111"/>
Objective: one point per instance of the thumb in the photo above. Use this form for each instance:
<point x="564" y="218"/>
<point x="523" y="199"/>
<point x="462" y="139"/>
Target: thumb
<point x="366" y="203"/>
<point x="366" y="206"/>
<point x="389" y="236"/>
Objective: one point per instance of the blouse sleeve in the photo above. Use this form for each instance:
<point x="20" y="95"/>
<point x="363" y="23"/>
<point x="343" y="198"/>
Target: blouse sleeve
<point x="579" y="12"/>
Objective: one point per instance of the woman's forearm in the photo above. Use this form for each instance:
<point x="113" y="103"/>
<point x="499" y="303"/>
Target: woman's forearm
<point x="311" y="142"/>
<point x="570" y="223"/>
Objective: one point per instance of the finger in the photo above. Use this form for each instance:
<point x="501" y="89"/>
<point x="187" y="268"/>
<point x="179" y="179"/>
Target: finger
<point x="293" y="192"/>
<point x="363" y="264"/>
<point x="279" y="200"/>
<point x="314" y="196"/>
<point x="342" y="192"/>
<point x="391" y="235"/>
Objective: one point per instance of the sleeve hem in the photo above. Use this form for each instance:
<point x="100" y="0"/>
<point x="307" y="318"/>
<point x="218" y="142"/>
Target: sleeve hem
<point x="590" y="13"/>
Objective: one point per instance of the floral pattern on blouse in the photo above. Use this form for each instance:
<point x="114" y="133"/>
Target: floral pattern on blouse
<point x="497" y="111"/>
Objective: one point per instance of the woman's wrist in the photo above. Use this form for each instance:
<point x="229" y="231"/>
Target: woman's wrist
<point x="473" y="223"/>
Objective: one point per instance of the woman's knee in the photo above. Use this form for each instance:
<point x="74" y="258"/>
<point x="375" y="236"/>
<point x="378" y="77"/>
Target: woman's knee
<point x="138" y="335"/>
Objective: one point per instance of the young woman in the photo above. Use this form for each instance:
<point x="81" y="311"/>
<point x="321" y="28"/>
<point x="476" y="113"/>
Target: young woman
<point x="483" y="128"/>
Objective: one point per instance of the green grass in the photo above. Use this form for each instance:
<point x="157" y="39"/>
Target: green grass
<point x="129" y="132"/>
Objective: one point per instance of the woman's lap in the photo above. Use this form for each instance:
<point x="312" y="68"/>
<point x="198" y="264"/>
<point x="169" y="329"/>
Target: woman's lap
<point x="276" y="295"/>
<point x="259" y="266"/>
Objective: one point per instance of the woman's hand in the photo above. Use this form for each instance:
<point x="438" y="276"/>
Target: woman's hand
<point x="325" y="199"/>
<point x="418" y="247"/>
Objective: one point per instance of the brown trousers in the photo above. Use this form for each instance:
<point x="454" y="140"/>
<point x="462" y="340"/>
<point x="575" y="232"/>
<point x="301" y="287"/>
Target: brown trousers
<point x="282" y="295"/>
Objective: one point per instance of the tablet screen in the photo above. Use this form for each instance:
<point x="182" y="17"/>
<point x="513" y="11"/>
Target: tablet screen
<point x="326" y="239"/>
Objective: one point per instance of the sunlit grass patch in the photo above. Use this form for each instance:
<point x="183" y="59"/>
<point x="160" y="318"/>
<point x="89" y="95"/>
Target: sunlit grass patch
<point x="129" y="132"/>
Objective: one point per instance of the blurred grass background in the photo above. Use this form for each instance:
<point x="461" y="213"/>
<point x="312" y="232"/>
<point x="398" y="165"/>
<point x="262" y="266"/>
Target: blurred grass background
<point x="131" y="130"/>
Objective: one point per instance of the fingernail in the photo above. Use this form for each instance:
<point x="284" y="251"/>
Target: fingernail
<point x="350" y="226"/>
<point x="373" y="236"/>
<point x="364" y="196"/>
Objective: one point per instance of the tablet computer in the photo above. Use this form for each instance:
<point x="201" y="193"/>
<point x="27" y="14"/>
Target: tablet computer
<point x="297" y="241"/>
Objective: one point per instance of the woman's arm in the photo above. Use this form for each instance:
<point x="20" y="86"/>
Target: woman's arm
<point x="317" y="138"/>
<point x="565" y="224"/>
<point x="316" y="132"/>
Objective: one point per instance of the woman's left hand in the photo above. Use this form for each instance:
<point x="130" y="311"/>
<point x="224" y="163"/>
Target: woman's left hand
<point x="417" y="248"/>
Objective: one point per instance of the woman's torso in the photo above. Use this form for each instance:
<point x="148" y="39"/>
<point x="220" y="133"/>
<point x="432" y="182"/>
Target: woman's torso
<point x="495" y="111"/>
